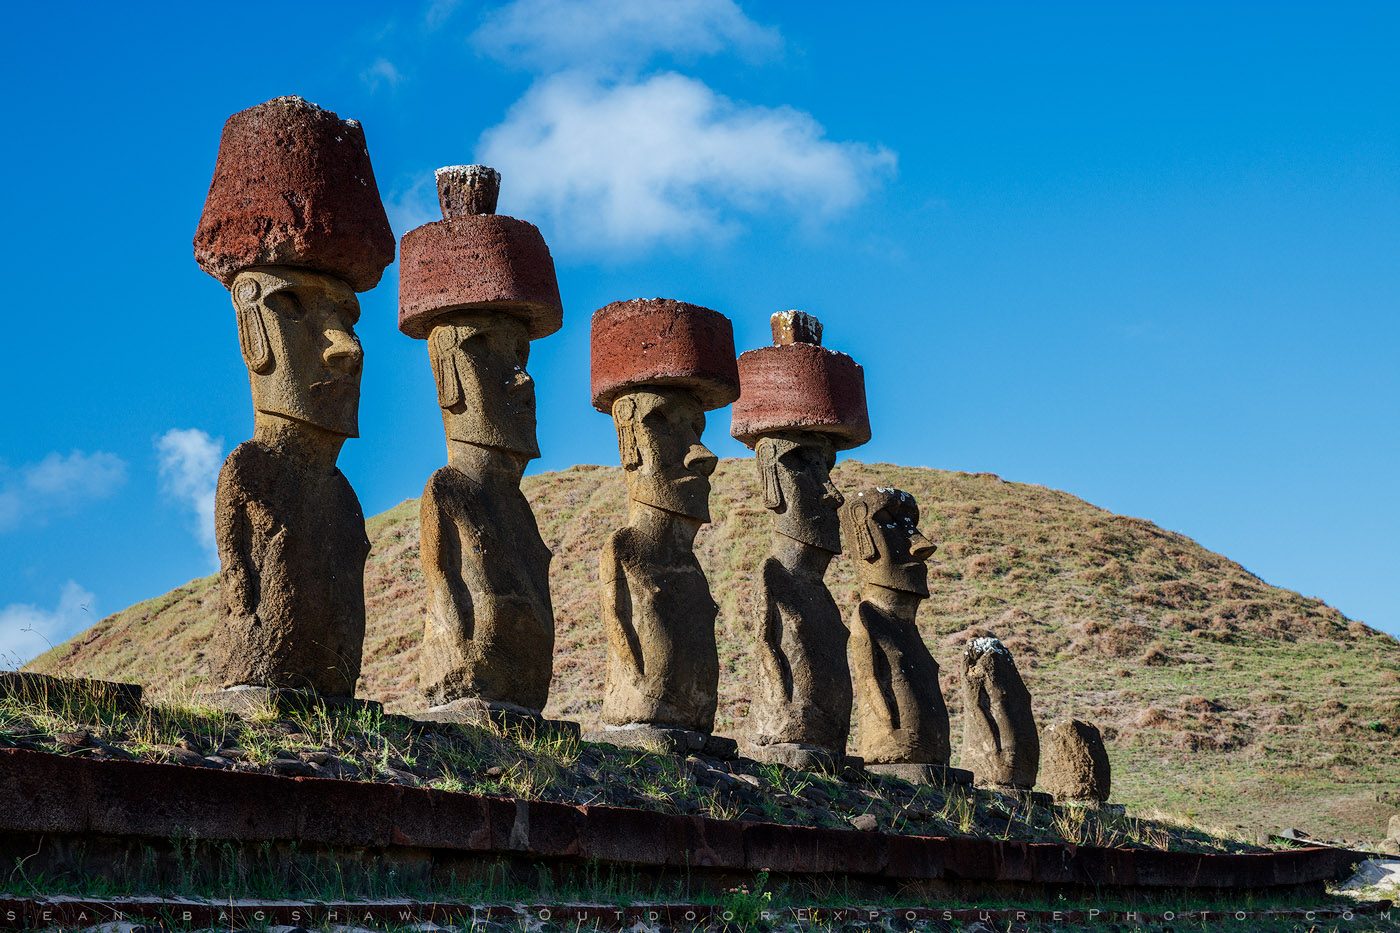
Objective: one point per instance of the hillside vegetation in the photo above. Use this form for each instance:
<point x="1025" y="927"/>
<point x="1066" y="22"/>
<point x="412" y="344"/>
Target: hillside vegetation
<point x="1222" y="698"/>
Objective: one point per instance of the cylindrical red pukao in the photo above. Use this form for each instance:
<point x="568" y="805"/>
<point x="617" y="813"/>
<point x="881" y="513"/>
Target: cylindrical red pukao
<point x="476" y="261"/>
<point x="663" y="343"/>
<point x="801" y="386"/>
<point x="293" y="186"/>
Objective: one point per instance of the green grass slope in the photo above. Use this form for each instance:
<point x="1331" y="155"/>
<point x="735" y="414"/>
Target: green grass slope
<point x="1222" y="698"/>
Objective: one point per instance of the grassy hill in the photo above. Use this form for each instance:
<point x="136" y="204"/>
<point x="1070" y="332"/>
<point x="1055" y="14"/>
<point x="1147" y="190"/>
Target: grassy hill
<point x="1224" y="699"/>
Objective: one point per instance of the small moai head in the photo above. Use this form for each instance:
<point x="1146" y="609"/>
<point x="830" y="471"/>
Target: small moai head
<point x="665" y="463"/>
<point x="795" y="468"/>
<point x="486" y="394"/>
<point x="296" y="330"/>
<point x="881" y="526"/>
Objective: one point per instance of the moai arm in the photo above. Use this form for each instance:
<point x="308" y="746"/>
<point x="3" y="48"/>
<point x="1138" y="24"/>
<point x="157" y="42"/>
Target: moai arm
<point x="869" y="664"/>
<point x="238" y="577"/>
<point x="770" y="634"/>
<point x="440" y="550"/>
<point x="617" y="608"/>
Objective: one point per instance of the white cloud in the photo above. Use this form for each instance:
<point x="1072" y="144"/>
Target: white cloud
<point x="548" y="35"/>
<point x="381" y="72"/>
<point x="57" y="484"/>
<point x="439" y="12"/>
<point x="27" y="631"/>
<point x="625" y="163"/>
<point x="189" y="472"/>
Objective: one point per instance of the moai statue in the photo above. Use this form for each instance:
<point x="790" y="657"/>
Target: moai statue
<point x="1075" y="763"/>
<point x="658" y="366"/>
<point x="1000" y="745"/>
<point x="798" y="404"/>
<point x="478" y="287"/>
<point x="903" y="720"/>
<point x="293" y="227"/>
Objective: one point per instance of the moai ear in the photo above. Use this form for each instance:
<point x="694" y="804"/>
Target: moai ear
<point x="442" y="352"/>
<point x="624" y="411"/>
<point x="252" y="331"/>
<point x="768" y="471"/>
<point x="856" y="525"/>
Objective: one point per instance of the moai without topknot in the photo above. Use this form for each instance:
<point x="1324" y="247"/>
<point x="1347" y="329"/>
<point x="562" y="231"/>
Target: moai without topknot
<point x="1001" y="746"/>
<point x="658" y="366"/>
<point x="800" y="403"/>
<point x="293" y="227"/>
<point x="478" y="287"/>
<point x="903" y="719"/>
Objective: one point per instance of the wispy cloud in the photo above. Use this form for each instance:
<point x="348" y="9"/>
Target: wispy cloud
<point x="27" y="631"/>
<point x="189" y="473"/>
<point x="614" y="156"/>
<point x="549" y="35"/>
<point x="439" y="12"/>
<point x="666" y="157"/>
<point x="57" y="484"/>
<point x="382" y="72"/>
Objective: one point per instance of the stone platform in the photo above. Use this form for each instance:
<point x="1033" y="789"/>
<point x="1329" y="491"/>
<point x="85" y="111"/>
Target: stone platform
<point x="246" y="698"/>
<point x="508" y="716"/>
<point x="666" y="739"/>
<point x="801" y="757"/>
<point x="936" y="775"/>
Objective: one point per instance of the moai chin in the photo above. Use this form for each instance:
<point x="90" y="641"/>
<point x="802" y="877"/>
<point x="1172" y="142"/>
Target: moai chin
<point x="800" y="403"/>
<point x="657" y="367"/>
<point x="903" y="719"/>
<point x="1000" y="744"/>
<point x="293" y="227"/>
<point x="478" y="287"/>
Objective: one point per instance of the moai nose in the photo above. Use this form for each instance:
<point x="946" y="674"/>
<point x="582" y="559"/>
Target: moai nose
<point x="700" y="460"/>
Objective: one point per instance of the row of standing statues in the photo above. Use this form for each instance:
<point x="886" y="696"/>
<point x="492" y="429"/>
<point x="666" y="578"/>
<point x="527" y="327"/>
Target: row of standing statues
<point x="294" y="227"/>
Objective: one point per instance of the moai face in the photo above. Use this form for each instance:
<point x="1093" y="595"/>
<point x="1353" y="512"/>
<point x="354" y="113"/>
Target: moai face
<point x="882" y="529"/>
<point x="658" y="436"/>
<point x="486" y="395"/>
<point x="296" y="329"/>
<point x="796" y="472"/>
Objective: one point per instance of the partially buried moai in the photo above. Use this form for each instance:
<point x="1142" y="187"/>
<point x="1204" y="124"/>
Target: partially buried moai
<point x="799" y="403"/>
<point x="478" y="287"/>
<point x="900" y="710"/>
<point x="1000" y="743"/>
<point x="293" y="227"/>
<point x="658" y="366"/>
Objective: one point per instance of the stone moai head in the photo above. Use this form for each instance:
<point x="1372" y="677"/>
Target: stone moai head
<point x="293" y="227"/>
<point x="658" y="365"/>
<point x="479" y="286"/>
<point x="881" y="527"/>
<point x="799" y="403"/>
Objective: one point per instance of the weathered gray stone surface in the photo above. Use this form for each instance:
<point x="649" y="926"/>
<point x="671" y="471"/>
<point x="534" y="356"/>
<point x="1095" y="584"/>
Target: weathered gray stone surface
<point x="1000" y="744"/>
<point x="1074" y="762"/>
<point x="900" y="708"/>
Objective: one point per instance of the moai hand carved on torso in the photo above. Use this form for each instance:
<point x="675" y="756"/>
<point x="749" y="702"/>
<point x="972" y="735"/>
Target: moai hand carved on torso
<point x="290" y="531"/>
<point x="902" y="716"/>
<point x="799" y="404"/>
<point x="658" y="614"/>
<point x="479" y="287"/>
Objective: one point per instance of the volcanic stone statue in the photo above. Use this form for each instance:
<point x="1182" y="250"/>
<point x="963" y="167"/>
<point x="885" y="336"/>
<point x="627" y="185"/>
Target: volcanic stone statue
<point x="903" y="719"/>
<point x="799" y="403"/>
<point x="479" y="287"/>
<point x="658" y="366"/>
<point x="1000" y="745"/>
<point x="293" y="227"/>
<point x="1075" y="763"/>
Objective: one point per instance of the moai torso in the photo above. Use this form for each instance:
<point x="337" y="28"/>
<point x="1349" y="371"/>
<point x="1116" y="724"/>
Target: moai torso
<point x="1001" y="746"/>
<point x="490" y="628"/>
<point x="902" y="714"/>
<point x="663" y="665"/>
<point x="292" y="548"/>
<point x="803" y="694"/>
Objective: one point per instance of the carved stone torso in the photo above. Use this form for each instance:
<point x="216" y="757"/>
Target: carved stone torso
<point x="292" y="547"/>
<point x="902" y="716"/>
<point x="803" y="693"/>
<point x="490" y="626"/>
<point x="663" y="665"/>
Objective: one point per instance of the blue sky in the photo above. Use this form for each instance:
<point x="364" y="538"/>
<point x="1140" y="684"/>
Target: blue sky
<point x="1145" y="253"/>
